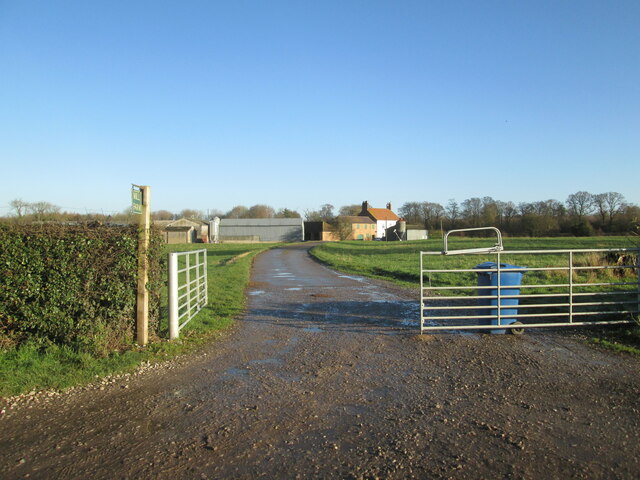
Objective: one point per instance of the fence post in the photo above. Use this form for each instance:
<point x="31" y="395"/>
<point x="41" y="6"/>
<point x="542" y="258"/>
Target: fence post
<point x="421" y="294"/>
<point x="142" y="303"/>
<point x="570" y="287"/>
<point x="638" y="290"/>
<point x="174" y="331"/>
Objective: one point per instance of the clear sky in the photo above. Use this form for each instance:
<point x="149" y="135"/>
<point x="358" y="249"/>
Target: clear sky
<point x="300" y="103"/>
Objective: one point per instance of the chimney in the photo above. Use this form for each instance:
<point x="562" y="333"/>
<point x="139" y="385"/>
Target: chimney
<point x="365" y="206"/>
<point x="389" y="206"/>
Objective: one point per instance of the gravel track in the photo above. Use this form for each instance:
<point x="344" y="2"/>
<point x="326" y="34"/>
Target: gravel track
<point x="325" y="376"/>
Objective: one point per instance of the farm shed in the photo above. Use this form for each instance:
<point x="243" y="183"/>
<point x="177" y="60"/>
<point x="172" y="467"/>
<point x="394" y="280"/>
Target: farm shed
<point x="401" y="232"/>
<point x="184" y="234"/>
<point x="261" y="230"/>
<point x="415" y="232"/>
<point x="319" y="231"/>
<point x="184" y="230"/>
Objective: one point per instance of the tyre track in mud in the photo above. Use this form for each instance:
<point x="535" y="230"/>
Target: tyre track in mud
<point x="326" y="377"/>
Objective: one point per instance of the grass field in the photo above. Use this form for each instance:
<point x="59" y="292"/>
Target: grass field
<point x="35" y="366"/>
<point x="400" y="262"/>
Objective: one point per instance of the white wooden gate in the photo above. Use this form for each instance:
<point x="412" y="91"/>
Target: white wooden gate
<point x="187" y="288"/>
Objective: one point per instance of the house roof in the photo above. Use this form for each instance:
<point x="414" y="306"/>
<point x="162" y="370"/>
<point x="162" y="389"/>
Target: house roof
<point x="178" y="228"/>
<point x="382" y="214"/>
<point x="356" y="219"/>
<point x="182" y="223"/>
<point x="261" y="222"/>
<point x="162" y="223"/>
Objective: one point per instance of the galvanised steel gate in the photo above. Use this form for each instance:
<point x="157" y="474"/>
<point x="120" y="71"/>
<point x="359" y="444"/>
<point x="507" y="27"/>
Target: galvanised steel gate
<point x="559" y="288"/>
<point x="188" y="291"/>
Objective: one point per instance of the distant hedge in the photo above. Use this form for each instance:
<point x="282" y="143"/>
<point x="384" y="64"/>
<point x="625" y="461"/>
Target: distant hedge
<point x="74" y="285"/>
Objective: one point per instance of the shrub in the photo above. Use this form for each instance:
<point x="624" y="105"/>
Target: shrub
<point x="73" y="285"/>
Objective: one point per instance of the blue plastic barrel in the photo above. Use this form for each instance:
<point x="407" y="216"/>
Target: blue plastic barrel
<point x="490" y="279"/>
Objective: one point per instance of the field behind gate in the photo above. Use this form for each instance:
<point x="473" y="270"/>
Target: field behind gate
<point x="400" y="263"/>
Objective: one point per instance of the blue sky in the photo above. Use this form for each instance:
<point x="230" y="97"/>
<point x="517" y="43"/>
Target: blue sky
<point x="299" y="103"/>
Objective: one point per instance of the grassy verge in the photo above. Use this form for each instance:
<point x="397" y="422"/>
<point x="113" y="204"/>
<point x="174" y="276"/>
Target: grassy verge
<point x="38" y="366"/>
<point x="621" y="339"/>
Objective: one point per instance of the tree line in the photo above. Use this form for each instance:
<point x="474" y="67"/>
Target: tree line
<point x="325" y="213"/>
<point x="581" y="214"/>
<point x="47" y="212"/>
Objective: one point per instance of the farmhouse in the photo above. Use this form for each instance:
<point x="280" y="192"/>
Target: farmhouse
<point x="383" y="217"/>
<point x="344" y="228"/>
<point x="355" y="228"/>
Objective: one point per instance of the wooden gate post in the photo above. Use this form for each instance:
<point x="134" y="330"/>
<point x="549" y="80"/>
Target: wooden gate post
<point x="142" y="304"/>
<point x="174" y="328"/>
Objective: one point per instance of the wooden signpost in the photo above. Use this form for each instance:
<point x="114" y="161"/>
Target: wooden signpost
<point x="141" y="204"/>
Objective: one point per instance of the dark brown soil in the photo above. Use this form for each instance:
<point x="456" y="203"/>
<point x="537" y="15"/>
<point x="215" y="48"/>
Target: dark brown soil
<point x="326" y="376"/>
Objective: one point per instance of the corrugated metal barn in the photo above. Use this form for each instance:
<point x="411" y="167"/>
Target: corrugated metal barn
<point x="261" y="230"/>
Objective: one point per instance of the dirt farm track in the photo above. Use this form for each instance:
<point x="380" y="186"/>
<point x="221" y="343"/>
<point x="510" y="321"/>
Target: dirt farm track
<point x="326" y="376"/>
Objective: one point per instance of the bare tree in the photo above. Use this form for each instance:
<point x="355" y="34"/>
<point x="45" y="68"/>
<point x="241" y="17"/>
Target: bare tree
<point x="580" y="204"/>
<point x="525" y="207"/>
<point x="432" y="213"/>
<point x="260" y="211"/>
<point x="286" y="213"/>
<point x="615" y="203"/>
<point x="325" y="214"/>
<point x="43" y="210"/>
<point x="239" y="211"/>
<point x="471" y="211"/>
<point x="608" y="205"/>
<point x="214" y="212"/>
<point x="452" y="211"/>
<point x="162" y="215"/>
<point x="19" y="206"/>
<point x="191" y="213"/>
<point x="350" y="210"/>
<point x="411" y="212"/>
<point x="504" y="212"/>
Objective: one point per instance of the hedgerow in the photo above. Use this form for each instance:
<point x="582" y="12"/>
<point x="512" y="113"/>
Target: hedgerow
<point x="73" y="285"/>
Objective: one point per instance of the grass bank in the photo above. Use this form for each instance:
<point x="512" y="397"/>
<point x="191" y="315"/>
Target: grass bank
<point x="39" y="366"/>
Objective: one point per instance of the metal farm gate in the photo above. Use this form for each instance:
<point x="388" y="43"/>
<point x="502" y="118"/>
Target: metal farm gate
<point x="546" y="288"/>
<point x="188" y="290"/>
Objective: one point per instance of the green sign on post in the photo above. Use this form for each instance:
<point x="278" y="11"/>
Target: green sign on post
<point x="136" y="200"/>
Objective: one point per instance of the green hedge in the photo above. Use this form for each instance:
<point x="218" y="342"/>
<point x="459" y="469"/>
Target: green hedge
<point x="73" y="285"/>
